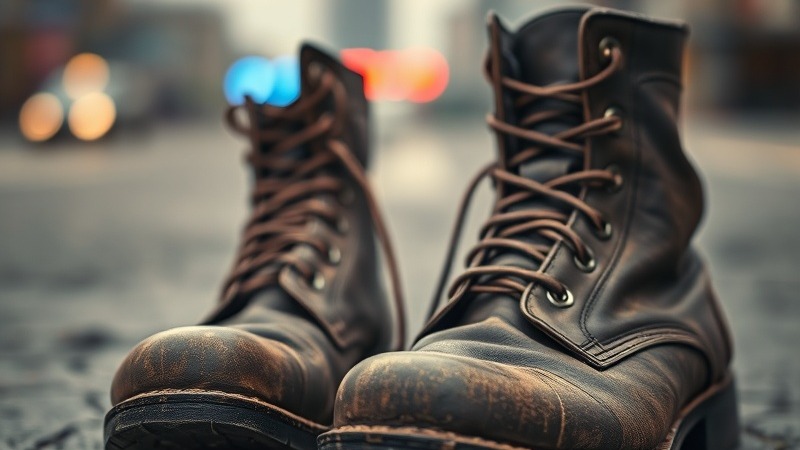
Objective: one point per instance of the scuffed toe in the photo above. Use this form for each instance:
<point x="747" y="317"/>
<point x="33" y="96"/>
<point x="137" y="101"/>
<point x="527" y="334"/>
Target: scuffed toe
<point x="473" y="397"/>
<point x="211" y="359"/>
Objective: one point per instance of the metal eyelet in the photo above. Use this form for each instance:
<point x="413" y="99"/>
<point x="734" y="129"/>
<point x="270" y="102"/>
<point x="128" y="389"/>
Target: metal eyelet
<point x="618" y="180"/>
<point x="564" y="301"/>
<point x="587" y="266"/>
<point x="342" y="225"/>
<point x="613" y="111"/>
<point x="605" y="231"/>
<point x="334" y="255"/>
<point x="607" y="46"/>
<point x="318" y="282"/>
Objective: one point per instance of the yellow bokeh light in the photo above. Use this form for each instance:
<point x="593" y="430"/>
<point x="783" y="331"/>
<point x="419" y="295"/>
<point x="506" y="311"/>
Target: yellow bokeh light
<point x="91" y="116"/>
<point x="41" y="117"/>
<point x="84" y="74"/>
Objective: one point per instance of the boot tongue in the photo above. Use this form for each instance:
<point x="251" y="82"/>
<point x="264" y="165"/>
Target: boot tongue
<point x="312" y="59"/>
<point x="546" y="48"/>
<point x="311" y="54"/>
<point x="357" y="111"/>
<point x="546" y="53"/>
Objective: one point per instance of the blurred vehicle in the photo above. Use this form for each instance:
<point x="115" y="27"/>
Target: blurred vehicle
<point x="127" y="65"/>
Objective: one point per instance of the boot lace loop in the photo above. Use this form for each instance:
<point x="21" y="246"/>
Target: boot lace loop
<point x="505" y="227"/>
<point x="292" y="193"/>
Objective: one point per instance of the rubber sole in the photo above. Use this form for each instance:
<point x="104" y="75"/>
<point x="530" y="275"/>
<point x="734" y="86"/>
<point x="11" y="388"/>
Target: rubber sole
<point x="205" y="420"/>
<point x="710" y="422"/>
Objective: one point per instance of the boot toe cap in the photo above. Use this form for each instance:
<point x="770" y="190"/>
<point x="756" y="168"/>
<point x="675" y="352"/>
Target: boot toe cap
<point x="473" y="397"/>
<point x="210" y="358"/>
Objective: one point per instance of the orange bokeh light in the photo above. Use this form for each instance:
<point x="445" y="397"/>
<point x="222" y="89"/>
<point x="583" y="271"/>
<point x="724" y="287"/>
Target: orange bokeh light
<point x="416" y="75"/>
<point x="427" y="73"/>
<point x="84" y="74"/>
<point x="92" y="116"/>
<point x="41" y="117"/>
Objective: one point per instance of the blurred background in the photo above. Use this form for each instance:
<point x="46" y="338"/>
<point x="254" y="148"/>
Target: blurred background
<point x="122" y="193"/>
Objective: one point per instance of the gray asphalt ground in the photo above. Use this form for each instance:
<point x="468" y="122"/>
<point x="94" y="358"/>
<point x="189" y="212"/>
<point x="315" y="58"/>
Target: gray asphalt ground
<point x="104" y="244"/>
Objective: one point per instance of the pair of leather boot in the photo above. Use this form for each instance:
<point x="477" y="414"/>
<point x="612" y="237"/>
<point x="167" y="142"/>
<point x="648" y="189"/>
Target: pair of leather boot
<point x="583" y="320"/>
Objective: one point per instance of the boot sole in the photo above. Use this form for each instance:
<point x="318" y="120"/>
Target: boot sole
<point x="710" y="422"/>
<point x="205" y="420"/>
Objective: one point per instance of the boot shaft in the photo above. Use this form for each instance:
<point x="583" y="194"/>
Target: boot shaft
<point x="567" y="46"/>
<point x="326" y="267"/>
<point x="627" y="277"/>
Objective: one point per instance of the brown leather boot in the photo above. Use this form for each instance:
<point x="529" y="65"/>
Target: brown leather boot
<point x="585" y="319"/>
<point x="303" y="303"/>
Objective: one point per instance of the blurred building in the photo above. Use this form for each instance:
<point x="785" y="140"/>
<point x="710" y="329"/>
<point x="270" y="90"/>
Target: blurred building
<point x="168" y="57"/>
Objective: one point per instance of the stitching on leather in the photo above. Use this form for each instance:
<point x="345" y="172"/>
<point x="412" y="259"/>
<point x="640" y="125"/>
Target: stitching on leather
<point x="664" y="338"/>
<point x="656" y="332"/>
<point x="660" y="324"/>
<point x="622" y="337"/>
<point x="631" y="334"/>
<point x="289" y="415"/>
<point x="639" y="341"/>
<point x="567" y="341"/>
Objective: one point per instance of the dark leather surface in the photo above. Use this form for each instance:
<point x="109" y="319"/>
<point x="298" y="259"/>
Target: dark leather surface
<point x="291" y="344"/>
<point x="645" y="334"/>
<point x="649" y="287"/>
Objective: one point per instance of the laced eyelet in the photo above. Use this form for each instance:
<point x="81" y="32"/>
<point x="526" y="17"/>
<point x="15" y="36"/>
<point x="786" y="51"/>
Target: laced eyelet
<point x="618" y="180"/>
<point x="587" y="266"/>
<point x="334" y="255"/>
<point x="605" y="231"/>
<point x="613" y="111"/>
<point x="607" y="46"/>
<point x="342" y="225"/>
<point x="318" y="282"/>
<point x="563" y="301"/>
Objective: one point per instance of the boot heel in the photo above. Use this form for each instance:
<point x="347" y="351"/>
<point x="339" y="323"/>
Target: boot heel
<point x="713" y="425"/>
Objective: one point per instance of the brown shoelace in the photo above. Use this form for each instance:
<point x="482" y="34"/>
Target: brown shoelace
<point x="291" y="195"/>
<point x="503" y="229"/>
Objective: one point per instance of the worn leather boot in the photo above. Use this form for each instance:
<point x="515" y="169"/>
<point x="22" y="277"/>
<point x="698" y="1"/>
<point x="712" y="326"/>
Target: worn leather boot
<point x="585" y="318"/>
<point x="303" y="303"/>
